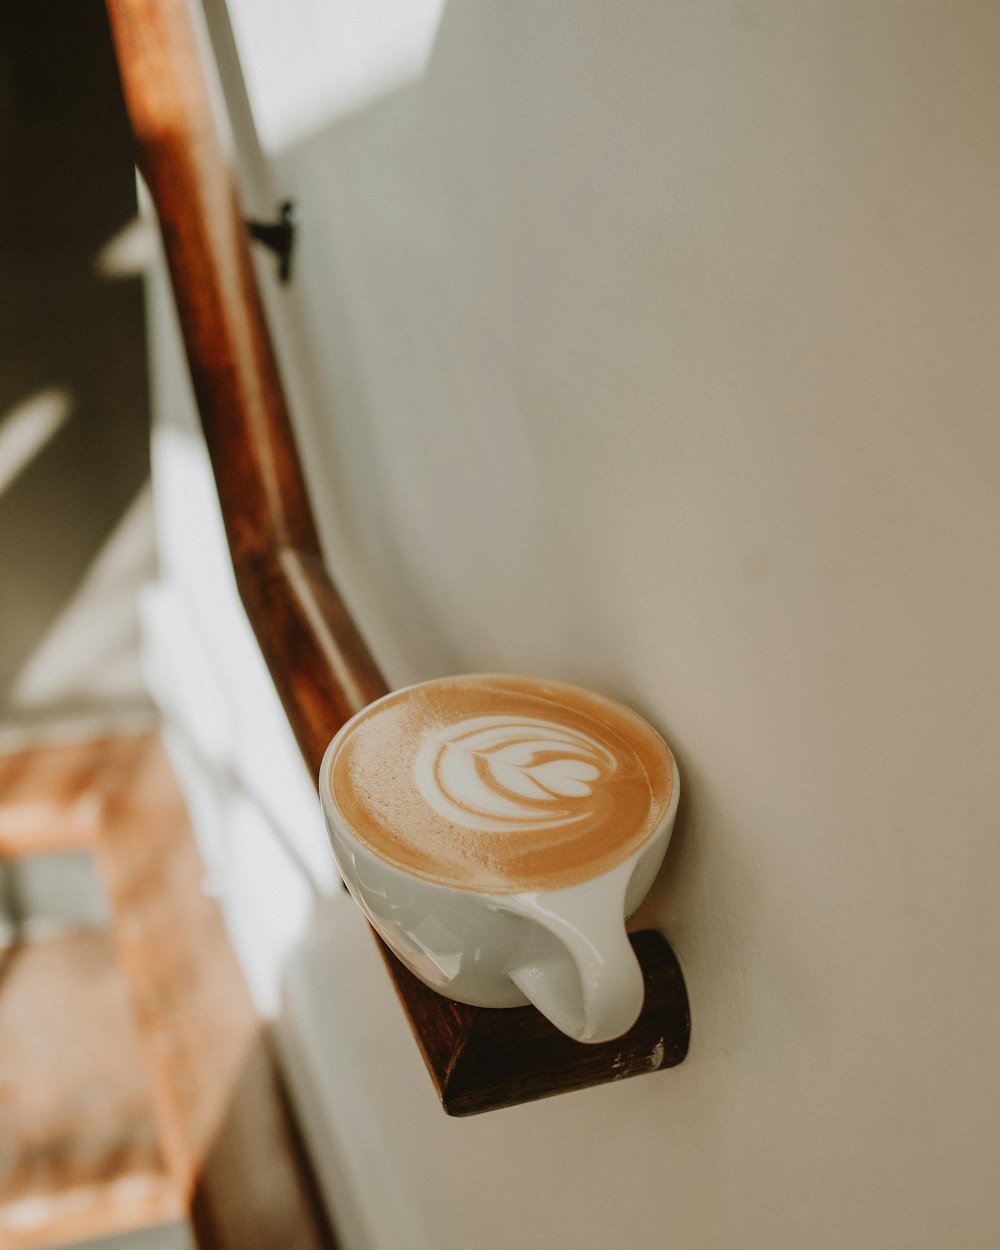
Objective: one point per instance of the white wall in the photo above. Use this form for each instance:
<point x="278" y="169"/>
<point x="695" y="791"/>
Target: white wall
<point x="654" y="347"/>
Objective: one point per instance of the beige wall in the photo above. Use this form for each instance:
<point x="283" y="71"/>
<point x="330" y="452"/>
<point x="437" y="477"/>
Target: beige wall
<point x="655" y="347"/>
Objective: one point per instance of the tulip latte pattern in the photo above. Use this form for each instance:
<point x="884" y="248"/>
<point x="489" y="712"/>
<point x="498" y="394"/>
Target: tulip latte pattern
<point x="500" y="783"/>
<point x="511" y="774"/>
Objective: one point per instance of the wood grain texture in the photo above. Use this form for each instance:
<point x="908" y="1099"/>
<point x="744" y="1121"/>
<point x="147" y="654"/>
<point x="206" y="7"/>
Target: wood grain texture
<point x="321" y="667"/>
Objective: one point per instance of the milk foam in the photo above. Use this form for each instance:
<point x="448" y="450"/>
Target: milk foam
<point x="510" y="774"/>
<point x="500" y="783"/>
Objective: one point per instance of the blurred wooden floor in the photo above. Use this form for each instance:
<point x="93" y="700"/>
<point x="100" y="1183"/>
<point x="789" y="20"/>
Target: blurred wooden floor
<point x="136" y="1084"/>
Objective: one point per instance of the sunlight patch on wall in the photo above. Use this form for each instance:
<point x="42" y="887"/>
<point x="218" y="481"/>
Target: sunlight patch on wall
<point x="28" y="427"/>
<point x="128" y="252"/>
<point x="91" y="649"/>
<point x="308" y="65"/>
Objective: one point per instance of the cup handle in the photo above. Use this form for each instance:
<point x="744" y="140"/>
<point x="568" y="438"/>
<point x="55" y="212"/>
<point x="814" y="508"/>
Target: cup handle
<point x="580" y="970"/>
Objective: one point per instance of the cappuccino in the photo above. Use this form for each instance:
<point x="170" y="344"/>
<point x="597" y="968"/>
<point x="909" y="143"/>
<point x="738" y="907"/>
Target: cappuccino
<point x="499" y="783"/>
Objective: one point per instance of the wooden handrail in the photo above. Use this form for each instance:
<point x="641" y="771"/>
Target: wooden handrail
<point x="322" y="669"/>
<point x="318" y="660"/>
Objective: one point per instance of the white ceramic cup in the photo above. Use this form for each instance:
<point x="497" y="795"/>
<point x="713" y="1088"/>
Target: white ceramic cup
<point x="565" y="950"/>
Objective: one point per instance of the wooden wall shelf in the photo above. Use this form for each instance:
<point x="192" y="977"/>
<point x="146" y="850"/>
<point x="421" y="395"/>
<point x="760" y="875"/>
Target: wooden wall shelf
<point x="320" y="664"/>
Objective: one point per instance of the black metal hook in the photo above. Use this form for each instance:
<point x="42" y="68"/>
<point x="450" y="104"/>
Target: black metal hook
<point x="278" y="236"/>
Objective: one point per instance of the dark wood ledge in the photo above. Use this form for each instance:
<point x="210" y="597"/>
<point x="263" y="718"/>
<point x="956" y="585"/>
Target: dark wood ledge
<point x="319" y="662"/>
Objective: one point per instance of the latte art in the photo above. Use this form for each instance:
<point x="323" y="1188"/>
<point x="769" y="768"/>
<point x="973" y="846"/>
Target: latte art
<point x="511" y="774"/>
<point x="500" y="783"/>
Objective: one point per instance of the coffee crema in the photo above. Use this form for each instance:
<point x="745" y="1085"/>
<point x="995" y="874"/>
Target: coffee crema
<point x="501" y="783"/>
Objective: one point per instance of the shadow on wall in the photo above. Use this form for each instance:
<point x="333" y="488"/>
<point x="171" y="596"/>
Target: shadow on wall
<point x="75" y="534"/>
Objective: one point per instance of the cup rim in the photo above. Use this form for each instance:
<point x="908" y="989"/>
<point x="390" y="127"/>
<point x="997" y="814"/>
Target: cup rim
<point x="345" y="830"/>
